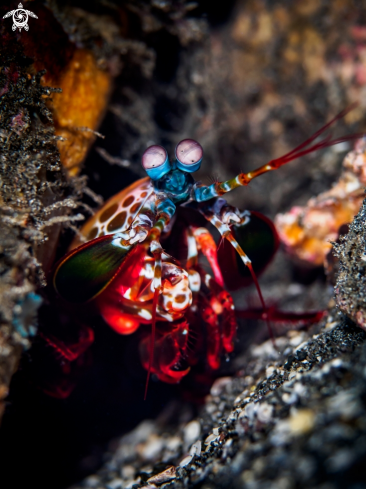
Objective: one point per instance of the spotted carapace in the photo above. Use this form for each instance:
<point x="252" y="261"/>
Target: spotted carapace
<point x="124" y="270"/>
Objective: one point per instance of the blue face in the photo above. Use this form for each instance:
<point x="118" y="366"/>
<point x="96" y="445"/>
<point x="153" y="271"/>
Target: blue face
<point x="177" y="184"/>
<point x="173" y="178"/>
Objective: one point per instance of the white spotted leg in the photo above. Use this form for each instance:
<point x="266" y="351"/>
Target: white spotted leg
<point x="226" y="233"/>
<point x="156" y="250"/>
<point x="165" y="210"/>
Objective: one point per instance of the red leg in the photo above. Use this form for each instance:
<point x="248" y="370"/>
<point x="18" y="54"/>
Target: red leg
<point x="66" y="361"/>
<point x="208" y="248"/>
<point x="71" y="351"/>
<point x="215" y="304"/>
<point x="223" y="305"/>
<point x="209" y="213"/>
<point x="276" y="316"/>
<point x="229" y="320"/>
<point x="213" y="333"/>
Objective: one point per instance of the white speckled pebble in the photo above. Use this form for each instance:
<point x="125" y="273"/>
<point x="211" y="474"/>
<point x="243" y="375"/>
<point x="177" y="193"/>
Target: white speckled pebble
<point x="298" y="340"/>
<point x="187" y="460"/>
<point x="191" y="432"/>
<point x="210" y="438"/>
<point x="264" y="412"/>
<point x="114" y="484"/>
<point x="210" y="408"/>
<point x="128" y="472"/>
<point x="266" y="350"/>
<point x="132" y="483"/>
<point x="270" y="371"/>
<point x="152" y="448"/>
<point x="219" y="385"/>
<point x="250" y="410"/>
<point x="173" y="443"/>
<point x="337" y="362"/>
<point x="196" y="449"/>
<point x="248" y="379"/>
<point x="92" y="481"/>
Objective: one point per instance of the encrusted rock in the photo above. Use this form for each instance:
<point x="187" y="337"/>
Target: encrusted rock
<point x="350" y="289"/>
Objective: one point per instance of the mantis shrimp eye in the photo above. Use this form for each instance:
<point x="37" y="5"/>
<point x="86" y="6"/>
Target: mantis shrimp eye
<point x="189" y="155"/>
<point x="156" y="162"/>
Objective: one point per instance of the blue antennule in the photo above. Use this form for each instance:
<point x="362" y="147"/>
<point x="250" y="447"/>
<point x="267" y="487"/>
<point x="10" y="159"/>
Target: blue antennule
<point x="189" y="155"/>
<point x="156" y="162"/>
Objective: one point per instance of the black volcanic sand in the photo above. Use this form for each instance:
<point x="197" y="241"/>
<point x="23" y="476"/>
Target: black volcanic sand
<point x="294" y="416"/>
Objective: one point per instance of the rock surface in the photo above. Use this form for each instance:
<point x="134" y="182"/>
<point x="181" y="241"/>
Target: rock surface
<point x="293" y="417"/>
<point x="350" y="287"/>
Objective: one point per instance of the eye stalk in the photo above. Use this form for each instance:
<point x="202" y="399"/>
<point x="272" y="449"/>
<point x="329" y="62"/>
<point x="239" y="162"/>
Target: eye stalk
<point x="189" y="155"/>
<point x="155" y="162"/>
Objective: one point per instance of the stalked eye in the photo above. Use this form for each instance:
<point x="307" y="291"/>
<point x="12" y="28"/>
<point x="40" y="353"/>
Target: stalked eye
<point x="189" y="155"/>
<point x="156" y="162"/>
<point x="153" y="157"/>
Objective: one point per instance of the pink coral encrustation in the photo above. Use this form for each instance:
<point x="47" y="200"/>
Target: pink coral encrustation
<point x="307" y="232"/>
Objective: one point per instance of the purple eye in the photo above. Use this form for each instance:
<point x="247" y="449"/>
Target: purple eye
<point x="153" y="157"/>
<point x="189" y="152"/>
<point x="156" y="162"/>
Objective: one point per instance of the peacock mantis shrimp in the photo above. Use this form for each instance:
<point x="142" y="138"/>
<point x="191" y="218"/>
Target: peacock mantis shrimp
<point x="123" y="269"/>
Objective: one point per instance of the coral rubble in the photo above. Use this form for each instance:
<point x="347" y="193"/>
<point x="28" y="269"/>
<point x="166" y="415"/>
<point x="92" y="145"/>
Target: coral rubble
<point x="307" y="231"/>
